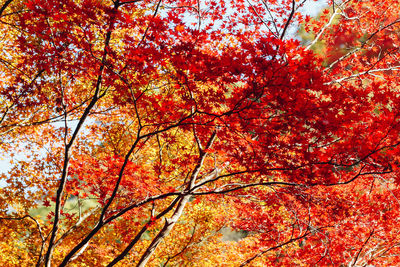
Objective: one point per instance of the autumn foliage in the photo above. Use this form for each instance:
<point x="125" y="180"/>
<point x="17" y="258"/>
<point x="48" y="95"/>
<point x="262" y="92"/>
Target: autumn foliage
<point x="199" y="133"/>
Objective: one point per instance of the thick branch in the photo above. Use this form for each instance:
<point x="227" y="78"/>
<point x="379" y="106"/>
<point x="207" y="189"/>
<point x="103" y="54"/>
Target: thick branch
<point x="4" y="6"/>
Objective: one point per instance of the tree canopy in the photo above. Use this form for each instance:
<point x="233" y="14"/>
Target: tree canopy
<point x="147" y="132"/>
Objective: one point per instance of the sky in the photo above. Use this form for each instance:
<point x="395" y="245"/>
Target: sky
<point x="312" y="8"/>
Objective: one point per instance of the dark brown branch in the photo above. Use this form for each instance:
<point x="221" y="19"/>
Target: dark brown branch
<point x="4" y="6"/>
<point x="60" y="190"/>
<point x="291" y="240"/>
<point x="142" y="231"/>
<point x="184" y="248"/>
<point x="289" y="19"/>
<point x="363" y="245"/>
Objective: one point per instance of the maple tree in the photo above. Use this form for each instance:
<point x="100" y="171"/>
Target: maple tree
<point x="140" y="132"/>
